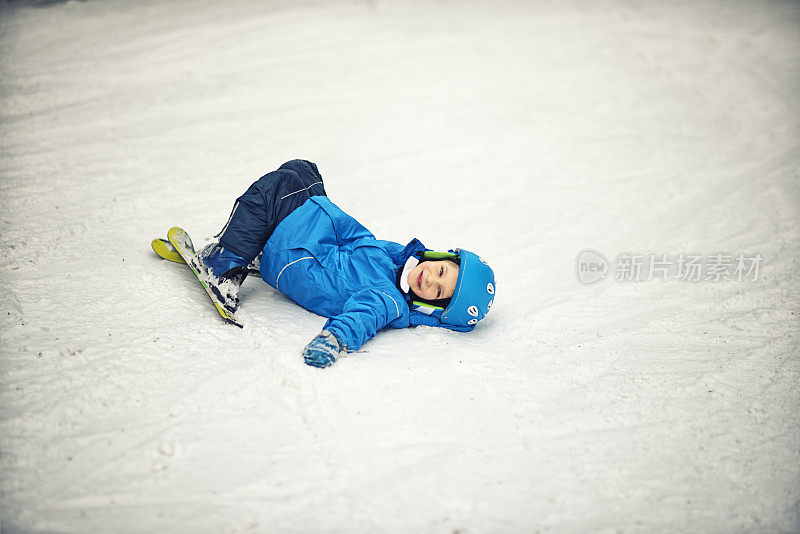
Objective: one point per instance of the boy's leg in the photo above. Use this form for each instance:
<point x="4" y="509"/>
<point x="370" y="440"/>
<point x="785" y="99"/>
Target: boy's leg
<point x="266" y="203"/>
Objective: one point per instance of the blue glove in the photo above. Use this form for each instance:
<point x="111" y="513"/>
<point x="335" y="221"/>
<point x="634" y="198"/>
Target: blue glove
<point x="323" y="350"/>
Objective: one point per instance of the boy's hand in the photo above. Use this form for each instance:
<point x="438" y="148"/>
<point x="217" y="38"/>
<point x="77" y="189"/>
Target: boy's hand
<point x="323" y="350"/>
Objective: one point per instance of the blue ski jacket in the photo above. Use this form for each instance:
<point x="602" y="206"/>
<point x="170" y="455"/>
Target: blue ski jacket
<point x="326" y="261"/>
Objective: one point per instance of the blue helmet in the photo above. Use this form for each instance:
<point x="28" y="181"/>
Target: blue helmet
<point x="472" y="298"/>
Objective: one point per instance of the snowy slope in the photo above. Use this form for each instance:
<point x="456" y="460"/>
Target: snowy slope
<point x="525" y="131"/>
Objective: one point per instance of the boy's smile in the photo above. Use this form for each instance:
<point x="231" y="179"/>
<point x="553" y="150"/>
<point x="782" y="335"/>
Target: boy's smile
<point x="432" y="280"/>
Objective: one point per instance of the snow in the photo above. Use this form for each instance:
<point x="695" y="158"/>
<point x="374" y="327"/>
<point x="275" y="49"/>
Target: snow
<point x="527" y="132"/>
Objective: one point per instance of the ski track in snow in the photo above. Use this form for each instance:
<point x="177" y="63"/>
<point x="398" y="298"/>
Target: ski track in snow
<point x="524" y="131"/>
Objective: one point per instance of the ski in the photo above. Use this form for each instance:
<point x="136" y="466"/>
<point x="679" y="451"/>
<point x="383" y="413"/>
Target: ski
<point x="182" y="244"/>
<point x="164" y="248"/>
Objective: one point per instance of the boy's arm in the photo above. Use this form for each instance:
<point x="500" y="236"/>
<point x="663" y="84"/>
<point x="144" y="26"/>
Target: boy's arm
<point x="363" y="315"/>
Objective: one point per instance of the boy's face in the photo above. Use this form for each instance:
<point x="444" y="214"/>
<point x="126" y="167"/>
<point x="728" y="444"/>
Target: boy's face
<point x="433" y="280"/>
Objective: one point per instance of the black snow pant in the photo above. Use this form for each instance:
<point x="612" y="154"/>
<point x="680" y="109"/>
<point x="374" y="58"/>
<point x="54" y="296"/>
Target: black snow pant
<point x="268" y="201"/>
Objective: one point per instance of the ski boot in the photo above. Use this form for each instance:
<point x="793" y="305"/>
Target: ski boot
<point x="225" y="273"/>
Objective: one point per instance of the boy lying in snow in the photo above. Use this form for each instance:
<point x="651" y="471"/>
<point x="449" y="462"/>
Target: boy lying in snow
<point x="324" y="260"/>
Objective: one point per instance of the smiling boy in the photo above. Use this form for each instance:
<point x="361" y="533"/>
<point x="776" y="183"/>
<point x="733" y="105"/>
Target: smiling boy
<point x="326" y="261"/>
<point x="433" y="280"/>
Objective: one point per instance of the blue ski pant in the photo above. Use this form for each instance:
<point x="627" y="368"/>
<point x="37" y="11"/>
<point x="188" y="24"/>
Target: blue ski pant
<point x="268" y="201"/>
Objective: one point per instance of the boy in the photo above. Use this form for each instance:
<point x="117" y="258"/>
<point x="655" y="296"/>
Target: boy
<point x="327" y="262"/>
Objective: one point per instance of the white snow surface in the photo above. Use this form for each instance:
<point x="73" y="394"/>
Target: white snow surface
<point x="526" y="132"/>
